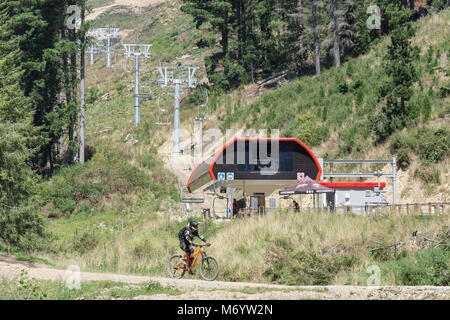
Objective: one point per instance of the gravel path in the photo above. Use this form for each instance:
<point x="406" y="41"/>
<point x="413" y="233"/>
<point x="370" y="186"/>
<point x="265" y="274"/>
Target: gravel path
<point x="199" y="289"/>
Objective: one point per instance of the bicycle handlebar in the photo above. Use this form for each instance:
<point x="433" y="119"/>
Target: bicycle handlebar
<point x="201" y="245"/>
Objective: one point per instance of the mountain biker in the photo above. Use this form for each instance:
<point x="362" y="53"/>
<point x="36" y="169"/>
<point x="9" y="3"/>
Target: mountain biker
<point x="186" y="237"/>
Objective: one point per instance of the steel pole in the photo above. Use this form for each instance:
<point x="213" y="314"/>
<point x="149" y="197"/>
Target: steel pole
<point x="108" y="50"/>
<point x="176" y="121"/>
<point x="136" y="93"/>
<point x="92" y="55"/>
<point x="394" y="180"/>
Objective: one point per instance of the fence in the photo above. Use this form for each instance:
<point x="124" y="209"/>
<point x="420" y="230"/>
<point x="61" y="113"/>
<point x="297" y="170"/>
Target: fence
<point x="374" y="210"/>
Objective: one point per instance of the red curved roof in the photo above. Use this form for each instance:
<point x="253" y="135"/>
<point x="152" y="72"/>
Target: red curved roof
<point x="213" y="159"/>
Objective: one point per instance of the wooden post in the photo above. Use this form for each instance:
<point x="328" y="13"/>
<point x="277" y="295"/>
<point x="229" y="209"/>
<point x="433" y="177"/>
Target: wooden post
<point x="377" y="211"/>
<point x="416" y="209"/>
<point x="362" y="211"/>
<point x="429" y="208"/>
<point x="407" y="209"/>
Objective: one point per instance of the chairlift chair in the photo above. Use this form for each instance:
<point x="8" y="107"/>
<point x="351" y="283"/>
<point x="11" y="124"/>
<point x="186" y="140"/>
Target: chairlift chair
<point x="185" y="199"/>
<point x="146" y="93"/>
<point x="116" y="66"/>
<point x="163" y="115"/>
<point x="203" y="108"/>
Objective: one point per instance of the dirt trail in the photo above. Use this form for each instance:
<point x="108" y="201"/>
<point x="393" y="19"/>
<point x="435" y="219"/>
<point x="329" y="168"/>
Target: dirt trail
<point x="129" y="3"/>
<point x="199" y="289"/>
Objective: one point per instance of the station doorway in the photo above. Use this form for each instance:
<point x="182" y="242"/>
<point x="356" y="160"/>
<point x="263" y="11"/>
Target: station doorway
<point x="258" y="203"/>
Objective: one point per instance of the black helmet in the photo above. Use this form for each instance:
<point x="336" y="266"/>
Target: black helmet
<point x="193" y="225"/>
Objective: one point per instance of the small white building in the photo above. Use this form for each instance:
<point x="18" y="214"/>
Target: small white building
<point x="354" y="195"/>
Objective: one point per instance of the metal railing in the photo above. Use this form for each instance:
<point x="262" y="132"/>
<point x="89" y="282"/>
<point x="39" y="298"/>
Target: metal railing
<point x="361" y="174"/>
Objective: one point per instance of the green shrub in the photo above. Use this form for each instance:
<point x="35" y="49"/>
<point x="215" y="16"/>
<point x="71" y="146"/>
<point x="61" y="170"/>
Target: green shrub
<point x="308" y="131"/>
<point x="142" y="249"/>
<point x="92" y="95"/>
<point x="444" y="91"/>
<point x="22" y="228"/>
<point x="428" y="174"/>
<point x="402" y="144"/>
<point x="66" y="206"/>
<point x="84" y="242"/>
<point x="304" y="267"/>
<point x="426" y="267"/>
<point x="22" y="288"/>
<point x="406" y="140"/>
<point x="434" y="146"/>
<point x="403" y="159"/>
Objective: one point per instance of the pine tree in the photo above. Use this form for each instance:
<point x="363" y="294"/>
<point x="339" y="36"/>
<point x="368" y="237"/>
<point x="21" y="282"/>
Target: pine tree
<point x="342" y="28"/>
<point x="399" y="67"/>
<point x="19" y="225"/>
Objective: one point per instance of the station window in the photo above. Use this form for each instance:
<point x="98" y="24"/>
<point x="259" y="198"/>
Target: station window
<point x="286" y="161"/>
<point x="261" y="163"/>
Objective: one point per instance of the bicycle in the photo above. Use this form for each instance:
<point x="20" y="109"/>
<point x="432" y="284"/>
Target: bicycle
<point x="209" y="267"/>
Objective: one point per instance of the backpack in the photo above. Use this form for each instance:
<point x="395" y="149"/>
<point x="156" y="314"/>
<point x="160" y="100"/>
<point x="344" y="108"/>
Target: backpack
<point x="181" y="233"/>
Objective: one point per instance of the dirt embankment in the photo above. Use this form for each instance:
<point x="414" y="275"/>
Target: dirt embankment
<point x="128" y="3"/>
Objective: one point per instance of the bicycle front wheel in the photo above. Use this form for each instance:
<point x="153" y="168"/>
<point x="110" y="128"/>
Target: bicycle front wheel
<point x="209" y="268"/>
<point x="176" y="267"/>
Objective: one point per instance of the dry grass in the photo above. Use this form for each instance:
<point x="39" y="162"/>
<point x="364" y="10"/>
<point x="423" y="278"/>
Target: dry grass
<point x="248" y="244"/>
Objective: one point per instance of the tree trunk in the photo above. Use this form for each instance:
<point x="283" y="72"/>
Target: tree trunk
<point x="225" y="35"/>
<point x="336" y="53"/>
<point x="316" y="40"/>
<point x="82" y="100"/>
<point x="73" y="132"/>
<point x="244" y="28"/>
<point x="239" y="29"/>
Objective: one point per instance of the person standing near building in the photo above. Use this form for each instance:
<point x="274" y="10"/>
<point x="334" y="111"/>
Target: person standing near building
<point x="296" y="206"/>
<point x="235" y="210"/>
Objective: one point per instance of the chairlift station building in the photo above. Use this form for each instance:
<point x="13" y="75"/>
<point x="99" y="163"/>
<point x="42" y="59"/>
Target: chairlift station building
<point x="260" y="166"/>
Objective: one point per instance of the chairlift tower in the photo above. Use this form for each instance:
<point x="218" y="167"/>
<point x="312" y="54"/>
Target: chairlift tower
<point x="92" y="50"/>
<point x="137" y="50"/>
<point x="177" y="77"/>
<point x="107" y="33"/>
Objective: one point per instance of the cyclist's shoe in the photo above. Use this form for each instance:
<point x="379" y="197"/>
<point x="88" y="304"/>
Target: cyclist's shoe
<point x="191" y="272"/>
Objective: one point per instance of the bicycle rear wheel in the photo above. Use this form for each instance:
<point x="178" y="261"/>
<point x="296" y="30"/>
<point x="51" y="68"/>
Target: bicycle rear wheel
<point x="209" y="268"/>
<point x="176" y="267"/>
